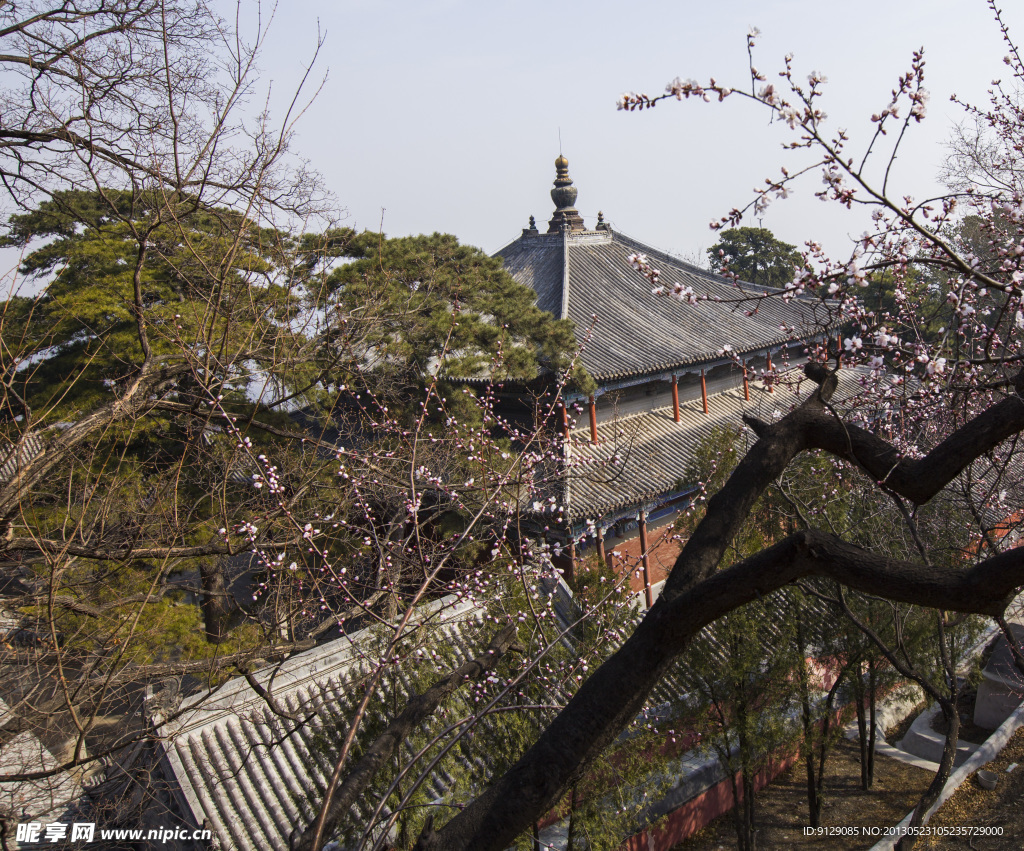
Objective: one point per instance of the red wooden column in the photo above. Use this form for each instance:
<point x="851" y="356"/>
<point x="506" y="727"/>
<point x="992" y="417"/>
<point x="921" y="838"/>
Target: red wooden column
<point x="600" y="545"/>
<point x="645" y="559"/>
<point x="746" y="384"/>
<point x="768" y="363"/>
<point x="675" y="398"/>
<point x="703" y="391"/>
<point x="592" y="406"/>
<point x="565" y="421"/>
<point x="572" y="559"/>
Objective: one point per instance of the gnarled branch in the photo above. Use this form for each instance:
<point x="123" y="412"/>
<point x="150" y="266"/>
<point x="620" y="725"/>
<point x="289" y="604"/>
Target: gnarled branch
<point x="695" y="595"/>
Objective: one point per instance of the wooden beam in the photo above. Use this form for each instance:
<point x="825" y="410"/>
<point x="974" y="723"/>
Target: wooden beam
<point x="645" y="560"/>
<point x="704" y="391"/>
<point x="592" y="406"/>
<point x="675" y="398"/>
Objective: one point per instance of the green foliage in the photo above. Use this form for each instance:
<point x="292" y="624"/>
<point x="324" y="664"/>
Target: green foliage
<point x="196" y="277"/>
<point x="606" y="807"/>
<point x="441" y="306"/>
<point x="134" y="278"/>
<point x="754" y="255"/>
<point x="110" y="620"/>
<point x="741" y="696"/>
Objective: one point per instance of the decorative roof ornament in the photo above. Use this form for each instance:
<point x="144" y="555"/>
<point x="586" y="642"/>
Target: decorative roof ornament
<point x="601" y="223"/>
<point x="532" y="229"/>
<point x="566" y="216"/>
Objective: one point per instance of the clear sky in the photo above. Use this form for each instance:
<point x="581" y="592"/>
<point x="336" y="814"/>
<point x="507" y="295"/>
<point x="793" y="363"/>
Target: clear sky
<point x="445" y="115"/>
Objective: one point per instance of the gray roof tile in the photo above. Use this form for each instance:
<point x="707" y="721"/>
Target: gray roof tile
<point x="642" y="457"/>
<point x="581" y="276"/>
<point x="251" y="773"/>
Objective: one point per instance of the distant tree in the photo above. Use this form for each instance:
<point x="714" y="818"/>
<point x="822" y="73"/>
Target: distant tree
<point x="754" y="255"/>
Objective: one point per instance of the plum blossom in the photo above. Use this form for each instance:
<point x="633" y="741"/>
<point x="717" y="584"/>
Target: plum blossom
<point x="920" y="99"/>
<point x="791" y="115"/>
<point x="884" y="339"/>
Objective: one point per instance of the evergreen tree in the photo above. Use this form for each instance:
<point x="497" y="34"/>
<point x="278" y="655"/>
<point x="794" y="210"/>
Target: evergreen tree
<point x="131" y="275"/>
<point x="414" y="287"/>
<point x="754" y="255"/>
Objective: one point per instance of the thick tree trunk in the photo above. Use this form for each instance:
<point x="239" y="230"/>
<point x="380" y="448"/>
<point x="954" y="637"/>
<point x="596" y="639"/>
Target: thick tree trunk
<point x="872" y="721"/>
<point x="931" y="794"/>
<point x="217" y="606"/>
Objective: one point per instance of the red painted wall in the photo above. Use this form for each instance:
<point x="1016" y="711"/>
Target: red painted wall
<point x="698" y="812"/>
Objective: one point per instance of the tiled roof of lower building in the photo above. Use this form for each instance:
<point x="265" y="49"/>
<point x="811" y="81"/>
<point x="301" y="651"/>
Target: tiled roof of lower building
<point x="251" y="776"/>
<point x="41" y="799"/>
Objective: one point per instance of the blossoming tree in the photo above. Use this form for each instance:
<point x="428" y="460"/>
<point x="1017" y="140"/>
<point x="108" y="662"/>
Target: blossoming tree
<point x="948" y="414"/>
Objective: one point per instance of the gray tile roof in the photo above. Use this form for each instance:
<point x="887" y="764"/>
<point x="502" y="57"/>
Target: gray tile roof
<point x="538" y="261"/>
<point x="13" y="457"/>
<point x="581" y="276"/>
<point x="250" y="774"/>
<point x="640" y="458"/>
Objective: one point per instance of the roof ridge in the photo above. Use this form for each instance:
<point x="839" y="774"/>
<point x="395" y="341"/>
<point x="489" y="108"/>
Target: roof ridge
<point x="565" y="275"/>
<point x="668" y="256"/>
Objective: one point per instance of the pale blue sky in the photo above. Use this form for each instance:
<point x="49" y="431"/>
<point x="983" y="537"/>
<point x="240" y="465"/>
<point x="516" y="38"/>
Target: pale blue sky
<point x="446" y="114"/>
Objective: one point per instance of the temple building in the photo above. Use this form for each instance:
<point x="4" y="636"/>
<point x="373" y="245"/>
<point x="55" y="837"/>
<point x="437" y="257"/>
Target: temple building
<point x="666" y="372"/>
